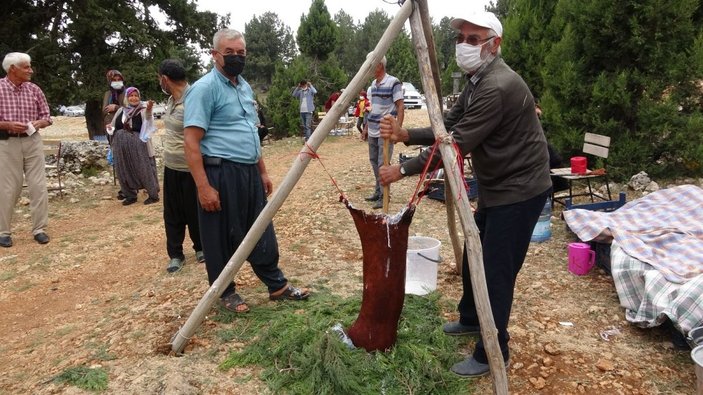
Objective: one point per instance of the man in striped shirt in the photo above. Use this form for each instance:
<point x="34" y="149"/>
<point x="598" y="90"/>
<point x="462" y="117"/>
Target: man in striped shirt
<point x="386" y="95"/>
<point x="23" y="111"/>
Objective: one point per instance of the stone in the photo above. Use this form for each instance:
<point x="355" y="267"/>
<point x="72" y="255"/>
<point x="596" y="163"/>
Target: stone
<point x="605" y="365"/>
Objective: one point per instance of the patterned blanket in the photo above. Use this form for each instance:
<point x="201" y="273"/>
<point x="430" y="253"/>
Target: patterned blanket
<point x="648" y="298"/>
<point x="663" y="229"/>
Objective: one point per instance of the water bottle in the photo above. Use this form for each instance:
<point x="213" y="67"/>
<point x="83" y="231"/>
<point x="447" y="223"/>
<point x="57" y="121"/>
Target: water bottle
<point x="543" y="231"/>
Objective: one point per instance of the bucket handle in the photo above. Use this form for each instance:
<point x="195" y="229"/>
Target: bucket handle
<point x="430" y="259"/>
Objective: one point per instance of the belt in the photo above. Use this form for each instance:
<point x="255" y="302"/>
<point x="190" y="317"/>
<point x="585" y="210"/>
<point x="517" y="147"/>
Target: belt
<point x="212" y="161"/>
<point x="4" y="134"/>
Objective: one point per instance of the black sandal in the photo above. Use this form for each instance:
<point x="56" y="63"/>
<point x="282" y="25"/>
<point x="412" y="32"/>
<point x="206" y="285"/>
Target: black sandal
<point x="232" y="301"/>
<point x="291" y="293"/>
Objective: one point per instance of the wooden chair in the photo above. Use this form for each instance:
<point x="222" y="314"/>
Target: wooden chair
<point x="594" y="145"/>
<point x="53" y="148"/>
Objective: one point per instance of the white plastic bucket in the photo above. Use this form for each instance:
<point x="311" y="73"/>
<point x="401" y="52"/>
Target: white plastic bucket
<point x="697" y="356"/>
<point x="421" y="265"/>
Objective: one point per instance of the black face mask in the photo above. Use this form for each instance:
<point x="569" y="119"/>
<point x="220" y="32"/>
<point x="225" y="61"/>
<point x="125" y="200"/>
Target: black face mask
<point x="234" y="64"/>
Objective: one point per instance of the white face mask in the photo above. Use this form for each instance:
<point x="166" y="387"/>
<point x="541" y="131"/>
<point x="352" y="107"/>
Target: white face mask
<point x="117" y="85"/>
<point x="468" y="57"/>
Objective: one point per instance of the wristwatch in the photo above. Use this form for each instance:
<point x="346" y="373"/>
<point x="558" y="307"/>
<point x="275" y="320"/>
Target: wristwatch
<point x="402" y="171"/>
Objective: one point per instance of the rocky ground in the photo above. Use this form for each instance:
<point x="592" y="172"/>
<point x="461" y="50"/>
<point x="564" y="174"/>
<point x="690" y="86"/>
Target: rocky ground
<point x="98" y="293"/>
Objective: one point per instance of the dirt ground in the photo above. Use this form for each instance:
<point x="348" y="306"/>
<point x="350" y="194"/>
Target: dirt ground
<point x="98" y="293"/>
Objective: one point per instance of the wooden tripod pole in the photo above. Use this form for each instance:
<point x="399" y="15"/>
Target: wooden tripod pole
<point x="454" y="175"/>
<point x="180" y="339"/>
<point x="386" y="188"/>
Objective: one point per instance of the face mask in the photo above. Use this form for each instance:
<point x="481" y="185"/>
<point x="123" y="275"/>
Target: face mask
<point x="163" y="89"/>
<point x="234" y="64"/>
<point x="117" y="85"/>
<point x="468" y="57"/>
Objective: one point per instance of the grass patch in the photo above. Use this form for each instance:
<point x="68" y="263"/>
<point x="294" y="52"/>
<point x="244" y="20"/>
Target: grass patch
<point x="299" y="353"/>
<point x="90" y="379"/>
<point x="8" y="275"/>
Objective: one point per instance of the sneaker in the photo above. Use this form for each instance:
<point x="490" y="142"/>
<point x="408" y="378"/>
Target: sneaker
<point x="372" y="198"/>
<point x="456" y="328"/>
<point x="128" y="201"/>
<point x="41" y="238"/>
<point x="199" y="257"/>
<point x="151" y="200"/>
<point x="377" y="204"/>
<point x="473" y="368"/>
<point x="175" y="264"/>
<point x="5" y="241"/>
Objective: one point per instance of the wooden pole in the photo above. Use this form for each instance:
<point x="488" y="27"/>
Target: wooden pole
<point x="180" y="339"/>
<point x="473" y="244"/>
<point x="386" y="162"/>
<point x="457" y="242"/>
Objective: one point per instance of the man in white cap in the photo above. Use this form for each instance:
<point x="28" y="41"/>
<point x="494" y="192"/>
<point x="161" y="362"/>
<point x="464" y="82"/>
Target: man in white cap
<point x="494" y="120"/>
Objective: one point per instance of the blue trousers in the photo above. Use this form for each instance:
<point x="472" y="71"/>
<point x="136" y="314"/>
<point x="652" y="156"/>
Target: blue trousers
<point x="306" y="119"/>
<point x="505" y="233"/>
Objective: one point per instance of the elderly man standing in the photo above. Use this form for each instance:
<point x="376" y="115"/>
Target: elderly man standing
<point x="386" y="95"/>
<point x="494" y="120"/>
<point x="224" y="156"/>
<point x="23" y="111"/>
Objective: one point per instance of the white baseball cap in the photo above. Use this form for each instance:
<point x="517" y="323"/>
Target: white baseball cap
<point x="481" y="18"/>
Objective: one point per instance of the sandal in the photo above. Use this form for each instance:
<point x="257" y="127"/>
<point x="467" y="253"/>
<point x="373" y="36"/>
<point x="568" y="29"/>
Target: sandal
<point x="233" y="302"/>
<point x="291" y="293"/>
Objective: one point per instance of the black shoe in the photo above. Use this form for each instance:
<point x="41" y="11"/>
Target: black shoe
<point x="5" y="241"/>
<point x="456" y="328"/>
<point x="128" y="201"/>
<point x="372" y="198"/>
<point x="120" y="196"/>
<point x="41" y="238"/>
<point x="151" y="200"/>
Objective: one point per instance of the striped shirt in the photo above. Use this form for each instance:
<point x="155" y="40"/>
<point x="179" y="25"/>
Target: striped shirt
<point x="24" y="103"/>
<point x="383" y="96"/>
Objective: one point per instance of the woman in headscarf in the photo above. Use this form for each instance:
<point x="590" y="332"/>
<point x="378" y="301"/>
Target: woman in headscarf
<point x="135" y="165"/>
<point x="114" y="97"/>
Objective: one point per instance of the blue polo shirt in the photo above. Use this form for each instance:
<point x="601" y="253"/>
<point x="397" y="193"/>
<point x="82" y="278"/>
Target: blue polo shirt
<point x="226" y="112"/>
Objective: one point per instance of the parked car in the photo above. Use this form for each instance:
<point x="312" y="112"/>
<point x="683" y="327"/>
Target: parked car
<point x="411" y="97"/>
<point x="74" y="111"/>
<point x="158" y="110"/>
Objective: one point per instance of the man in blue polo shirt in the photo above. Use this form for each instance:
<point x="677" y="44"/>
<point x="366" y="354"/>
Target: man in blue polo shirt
<point x="224" y="156"/>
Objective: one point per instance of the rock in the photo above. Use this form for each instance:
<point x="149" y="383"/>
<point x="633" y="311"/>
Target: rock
<point x="538" y="382"/>
<point x="551" y="349"/>
<point x="639" y="181"/>
<point x="605" y="365"/>
<point x="546" y="361"/>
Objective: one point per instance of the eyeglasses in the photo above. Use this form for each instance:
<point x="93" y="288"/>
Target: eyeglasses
<point x="241" y="52"/>
<point x="472" y="40"/>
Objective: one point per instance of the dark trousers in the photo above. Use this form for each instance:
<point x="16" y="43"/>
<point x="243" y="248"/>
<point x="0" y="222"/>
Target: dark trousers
<point x="180" y="210"/>
<point x="242" y="198"/>
<point x="505" y="233"/>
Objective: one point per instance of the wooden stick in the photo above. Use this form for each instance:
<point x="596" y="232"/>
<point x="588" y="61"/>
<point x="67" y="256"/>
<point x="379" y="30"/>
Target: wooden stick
<point x="180" y="339"/>
<point x="453" y="173"/>
<point x="386" y="188"/>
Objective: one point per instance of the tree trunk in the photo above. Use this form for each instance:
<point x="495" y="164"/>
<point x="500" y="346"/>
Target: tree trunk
<point x="384" y="241"/>
<point x="94" y="119"/>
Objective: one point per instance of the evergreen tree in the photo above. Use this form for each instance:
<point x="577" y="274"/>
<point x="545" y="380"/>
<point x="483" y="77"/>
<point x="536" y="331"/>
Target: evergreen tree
<point x="268" y="40"/>
<point x="317" y="35"/>
<point x="626" y="70"/>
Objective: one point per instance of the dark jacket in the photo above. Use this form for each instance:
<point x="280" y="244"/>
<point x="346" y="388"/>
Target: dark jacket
<point x="494" y="119"/>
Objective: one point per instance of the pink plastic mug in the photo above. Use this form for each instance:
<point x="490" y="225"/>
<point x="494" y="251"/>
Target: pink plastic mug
<point x="581" y="258"/>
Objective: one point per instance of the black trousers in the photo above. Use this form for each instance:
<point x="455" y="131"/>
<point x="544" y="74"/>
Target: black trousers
<point x="505" y="233"/>
<point x="180" y="210"/>
<point x="242" y="198"/>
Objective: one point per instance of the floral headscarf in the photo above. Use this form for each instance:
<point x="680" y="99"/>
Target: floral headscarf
<point x="114" y="93"/>
<point x="131" y="110"/>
